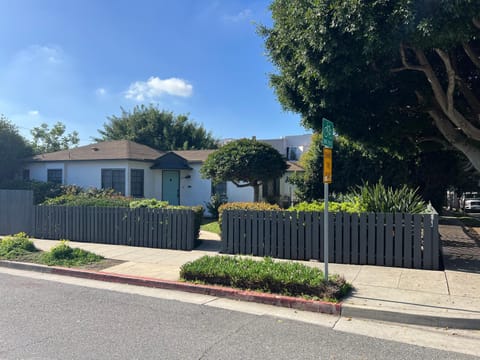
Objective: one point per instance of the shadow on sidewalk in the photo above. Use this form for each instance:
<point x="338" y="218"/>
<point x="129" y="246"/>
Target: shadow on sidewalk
<point x="460" y="247"/>
<point x="208" y="245"/>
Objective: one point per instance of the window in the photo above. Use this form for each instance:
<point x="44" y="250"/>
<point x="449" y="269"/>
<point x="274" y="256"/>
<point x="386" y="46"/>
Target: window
<point x="26" y="175"/>
<point x="220" y="189"/>
<point x="292" y="153"/>
<point x="114" y="179"/>
<point x="54" y="176"/>
<point x="136" y="183"/>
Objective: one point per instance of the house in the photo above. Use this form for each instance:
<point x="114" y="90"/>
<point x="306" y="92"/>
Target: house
<point x="291" y="146"/>
<point x="139" y="171"/>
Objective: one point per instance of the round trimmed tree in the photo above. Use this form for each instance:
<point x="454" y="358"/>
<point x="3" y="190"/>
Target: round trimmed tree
<point x="245" y="163"/>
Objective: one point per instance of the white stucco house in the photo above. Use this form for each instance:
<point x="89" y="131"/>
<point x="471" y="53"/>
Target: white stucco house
<point x="291" y="146"/>
<point x="139" y="171"/>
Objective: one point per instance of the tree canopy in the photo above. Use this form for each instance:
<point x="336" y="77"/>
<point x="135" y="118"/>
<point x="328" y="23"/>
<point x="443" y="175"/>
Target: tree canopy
<point x="355" y="163"/>
<point x="395" y="73"/>
<point x="47" y="140"/>
<point x="13" y="149"/>
<point x="244" y="162"/>
<point x="159" y="129"/>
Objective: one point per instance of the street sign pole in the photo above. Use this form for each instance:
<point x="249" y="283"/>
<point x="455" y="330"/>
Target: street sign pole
<point x="327" y="140"/>
<point x="325" y="232"/>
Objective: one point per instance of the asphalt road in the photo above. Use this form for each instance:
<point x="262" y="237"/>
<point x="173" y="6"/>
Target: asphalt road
<point x="48" y="320"/>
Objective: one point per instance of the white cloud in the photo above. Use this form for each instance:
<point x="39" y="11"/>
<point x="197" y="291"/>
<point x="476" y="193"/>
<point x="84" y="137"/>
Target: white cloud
<point x="245" y="14"/>
<point x="33" y="113"/>
<point x="101" y="91"/>
<point x="41" y="53"/>
<point x="155" y="87"/>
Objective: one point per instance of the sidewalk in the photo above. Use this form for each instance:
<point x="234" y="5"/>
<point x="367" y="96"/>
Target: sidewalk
<point x="449" y="298"/>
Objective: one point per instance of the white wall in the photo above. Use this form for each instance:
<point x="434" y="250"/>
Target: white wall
<point x="239" y="194"/>
<point x="193" y="189"/>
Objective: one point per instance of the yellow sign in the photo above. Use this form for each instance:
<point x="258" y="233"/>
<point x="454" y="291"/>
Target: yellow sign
<point x="327" y="165"/>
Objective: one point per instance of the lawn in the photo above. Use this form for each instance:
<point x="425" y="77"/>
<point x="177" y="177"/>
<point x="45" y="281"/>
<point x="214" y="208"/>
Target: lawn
<point x="211" y="225"/>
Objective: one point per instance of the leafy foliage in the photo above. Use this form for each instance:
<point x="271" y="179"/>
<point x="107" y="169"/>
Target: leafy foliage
<point x="13" y="149"/>
<point x="159" y="129"/>
<point x="401" y="75"/>
<point x="259" y="206"/>
<point x="47" y="140"/>
<point x="214" y="204"/>
<point x="149" y="203"/>
<point x="382" y="199"/>
<point x="87" y="199"/>
<point x="63" y="255"/>
<point x="16" y="245"/>
<point x="244" y="162"/>
<point x="353" y="206"/>
<point x="287" y="278"/>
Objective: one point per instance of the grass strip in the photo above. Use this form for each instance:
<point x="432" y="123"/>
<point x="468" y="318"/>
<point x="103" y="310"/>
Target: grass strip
<point x="279" y="277"/>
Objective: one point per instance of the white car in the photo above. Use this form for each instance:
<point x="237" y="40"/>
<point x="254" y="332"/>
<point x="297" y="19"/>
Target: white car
<point x="472" y="205"/>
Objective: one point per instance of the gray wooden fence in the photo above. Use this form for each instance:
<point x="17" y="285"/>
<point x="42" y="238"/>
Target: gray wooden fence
<point x="16" y="211"/>
<point x="157" y="228"/>
<point x="402" y="240"/>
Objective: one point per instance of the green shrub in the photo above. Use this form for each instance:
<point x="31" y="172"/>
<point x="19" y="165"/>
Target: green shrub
<point x="15" y="245"/>
<point x="259" y="206"/>
<point x="215" y="202"/>
<point x="287" y="278"/>
<point x="64" y="255"/>
<point x="148" y="203"/>
<point x="381" y="199"/>
<point x="348" y="207"/>
<point x="87" y="199"/>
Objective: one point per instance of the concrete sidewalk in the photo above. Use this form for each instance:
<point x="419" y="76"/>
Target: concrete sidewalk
<point x="435" y="298"/>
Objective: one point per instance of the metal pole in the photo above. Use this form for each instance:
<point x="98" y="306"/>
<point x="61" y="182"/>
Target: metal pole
<point x="325" y="231"/>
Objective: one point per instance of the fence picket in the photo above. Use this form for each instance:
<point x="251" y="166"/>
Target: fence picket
<point x="389" y="239"/>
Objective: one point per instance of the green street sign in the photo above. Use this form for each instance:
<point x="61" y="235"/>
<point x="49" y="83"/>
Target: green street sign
<point x="327" y="133"/>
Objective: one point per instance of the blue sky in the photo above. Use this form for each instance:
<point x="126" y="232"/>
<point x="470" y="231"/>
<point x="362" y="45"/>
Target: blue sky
<point x="80" y="61"/>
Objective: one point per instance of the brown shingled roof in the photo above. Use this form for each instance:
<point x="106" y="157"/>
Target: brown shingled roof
<point x="107" y="150"/>
<point x="292" y="166"/>
<point x="194" y="155"/>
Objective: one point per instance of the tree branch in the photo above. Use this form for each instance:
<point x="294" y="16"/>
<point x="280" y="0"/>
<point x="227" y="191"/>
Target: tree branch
<point x="451" y="78"/>
<point x="443" y="142"/>
<point x="471" y="54"/>
<point x="406" y="64"/>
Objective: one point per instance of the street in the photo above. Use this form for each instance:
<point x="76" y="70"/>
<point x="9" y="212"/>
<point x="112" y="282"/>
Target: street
<point x="53" y="320"/>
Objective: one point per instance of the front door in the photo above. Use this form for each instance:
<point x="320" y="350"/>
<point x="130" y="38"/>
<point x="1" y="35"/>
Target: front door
<point x="171" y="186"/>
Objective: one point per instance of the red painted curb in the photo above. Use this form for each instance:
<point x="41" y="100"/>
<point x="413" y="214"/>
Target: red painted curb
<point x="220" y="291"/>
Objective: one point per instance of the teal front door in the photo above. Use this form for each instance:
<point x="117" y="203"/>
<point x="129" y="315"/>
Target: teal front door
<point x="171" y="186"/>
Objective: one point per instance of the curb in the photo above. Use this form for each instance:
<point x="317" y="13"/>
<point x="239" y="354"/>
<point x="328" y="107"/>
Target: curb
<point x="225" y="292"/>
<point x="410" y="318"/>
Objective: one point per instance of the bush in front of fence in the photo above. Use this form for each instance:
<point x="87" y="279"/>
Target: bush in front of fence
<point x="63" y="255"/>
<point x="16" y="245"/>
<point x="258" y="206"/>
<point x="348" y="207"/>
<point x="286" y="278"/>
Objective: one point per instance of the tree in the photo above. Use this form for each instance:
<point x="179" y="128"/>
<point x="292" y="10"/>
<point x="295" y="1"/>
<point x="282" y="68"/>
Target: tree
<point x="395" y="73"/>
<point x="47" y="140"/>
<point x="245" y="163"/>
<point x="13" y="149"/>
<point x="353" y="164"/>
<point x="159" y="129"/>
